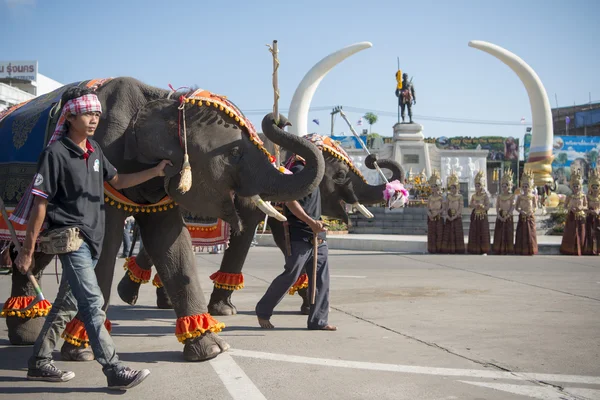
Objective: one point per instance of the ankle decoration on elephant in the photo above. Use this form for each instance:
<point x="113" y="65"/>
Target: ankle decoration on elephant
<point x="196" y="325"/>
<point x="13" y="304"/>
<point x="157" y="282"/>
<point x="135" y="272"/>
<point x="76" y="334"/>
<point x="224" y="280"/>
<point x="301" y="283"/>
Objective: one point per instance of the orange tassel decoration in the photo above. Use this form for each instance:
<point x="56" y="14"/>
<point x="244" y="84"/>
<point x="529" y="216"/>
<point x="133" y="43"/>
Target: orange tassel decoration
<point x="135" y="272"/>
<point x="301" y="283"/>
<point x="76" y="334"/>
<point x="156" y="281"/>
<point x="13" y="304"/>
<point x="224" y="280"/>
<point x="195" y="325"/>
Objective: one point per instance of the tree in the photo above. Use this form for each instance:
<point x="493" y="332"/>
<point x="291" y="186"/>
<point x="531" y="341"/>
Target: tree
<point x="371" y="119"/>
<point x="562" y="158"/>
<point x="592" y="158"/>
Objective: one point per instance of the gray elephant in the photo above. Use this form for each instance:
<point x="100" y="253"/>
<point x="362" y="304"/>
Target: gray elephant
<point x="342" y="184"/>
<point x="229" y="169"/>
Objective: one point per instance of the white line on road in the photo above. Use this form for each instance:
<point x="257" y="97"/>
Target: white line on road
<point x="347" y="276"/>
<point x="239" y="386"/>
<point x="412" y="369"/>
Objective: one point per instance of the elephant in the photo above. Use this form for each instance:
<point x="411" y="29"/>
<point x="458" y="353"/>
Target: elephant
<point x="341" y="183"/>
<point x="230" y="168"/>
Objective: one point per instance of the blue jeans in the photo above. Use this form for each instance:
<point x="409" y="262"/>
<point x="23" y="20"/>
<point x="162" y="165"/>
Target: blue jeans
<point x="78" y="290"/>
<point x="126" y="242"/>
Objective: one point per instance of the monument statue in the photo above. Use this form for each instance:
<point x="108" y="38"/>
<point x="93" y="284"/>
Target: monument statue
<point x="406" y="96"/>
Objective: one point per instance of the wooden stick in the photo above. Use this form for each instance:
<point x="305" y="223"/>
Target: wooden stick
<point x="314" y="271"/>
<point x="275" y="51"/>
<point x="39" y="295"/>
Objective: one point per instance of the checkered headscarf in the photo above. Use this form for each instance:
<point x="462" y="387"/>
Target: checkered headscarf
<point x="77" y="106"/>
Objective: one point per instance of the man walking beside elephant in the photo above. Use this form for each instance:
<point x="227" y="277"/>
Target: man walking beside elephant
<point x="304" y="226"/>
<point x="67" y="192"/>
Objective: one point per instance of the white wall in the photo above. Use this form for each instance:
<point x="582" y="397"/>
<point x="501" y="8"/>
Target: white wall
<point x="46" y="85"/>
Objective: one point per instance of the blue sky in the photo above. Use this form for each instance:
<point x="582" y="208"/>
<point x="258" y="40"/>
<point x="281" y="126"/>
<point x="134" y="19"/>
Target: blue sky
<point x="220" y="46"/>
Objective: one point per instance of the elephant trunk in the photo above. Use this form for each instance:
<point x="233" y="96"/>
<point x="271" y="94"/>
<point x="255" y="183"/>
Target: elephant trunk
<point x="280" y="187"/>
<point x="370" y="194"/>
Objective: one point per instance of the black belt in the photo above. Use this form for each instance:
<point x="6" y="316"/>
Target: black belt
<point x="319" y="240"/>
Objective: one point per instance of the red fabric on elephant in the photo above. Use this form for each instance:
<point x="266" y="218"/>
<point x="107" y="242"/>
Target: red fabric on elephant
<point x="13" y="304"/>
<point x="76" y="335"/>
<point x="224" y="280"/>
<point x="135" y="272"/>
<point x="195" y="325"/>
<point x="301" y="283"/>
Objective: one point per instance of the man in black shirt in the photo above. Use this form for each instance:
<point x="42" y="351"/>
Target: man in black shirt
<point x="68" y="191"/>
<point x="304" y="223"/>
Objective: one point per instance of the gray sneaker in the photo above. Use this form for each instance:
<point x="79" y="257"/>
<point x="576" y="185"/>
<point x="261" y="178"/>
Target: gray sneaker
<point x="126" y="378"/>
<point x="49" y="373"/>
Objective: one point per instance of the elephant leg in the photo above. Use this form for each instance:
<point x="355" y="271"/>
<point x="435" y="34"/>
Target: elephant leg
<point x="168" y="242"/>
<point x="162" y="298"/>
<point x="76" y="346"/>
<point x="24" y="327"/>
<point x="137" y="271"/>
<point x="229" y="276"/>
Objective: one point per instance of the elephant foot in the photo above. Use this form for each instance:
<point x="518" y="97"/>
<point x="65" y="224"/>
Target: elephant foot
<point x="305" y="307"/>
<point x="204" y="347"/>
<point x="70" y="352"/>
<point x="128" y="290"/>
<point x="162" y="299"/>
<point x="220" y="303"/>
<point x="24" y="331"/>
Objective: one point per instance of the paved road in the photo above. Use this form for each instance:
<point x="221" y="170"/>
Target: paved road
<point x="410" y="327"/>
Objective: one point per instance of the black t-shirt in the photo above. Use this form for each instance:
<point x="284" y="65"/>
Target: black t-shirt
<point x="299" y="230"/>
<point x="72" y="180"/>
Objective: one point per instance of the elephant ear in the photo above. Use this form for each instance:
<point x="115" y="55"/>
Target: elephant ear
<point x="154" y="135"/>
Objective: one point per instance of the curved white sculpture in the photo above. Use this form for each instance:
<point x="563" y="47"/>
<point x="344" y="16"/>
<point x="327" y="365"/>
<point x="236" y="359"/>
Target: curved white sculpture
<point x="298" y="114"/>
<point x="540" y="153"/>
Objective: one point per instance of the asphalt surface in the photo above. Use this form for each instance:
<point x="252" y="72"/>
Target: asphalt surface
<point x="410" y="327"/>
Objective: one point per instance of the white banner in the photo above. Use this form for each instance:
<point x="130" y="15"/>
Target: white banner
<point x="22" y="70"/>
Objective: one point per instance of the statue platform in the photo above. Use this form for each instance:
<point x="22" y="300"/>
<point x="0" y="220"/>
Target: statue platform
<point x="410" y="149"/>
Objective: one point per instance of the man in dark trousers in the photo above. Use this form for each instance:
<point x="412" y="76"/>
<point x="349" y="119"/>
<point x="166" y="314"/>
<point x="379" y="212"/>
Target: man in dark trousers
<point x="304" y="221"/>
<point x="68" y="192"/>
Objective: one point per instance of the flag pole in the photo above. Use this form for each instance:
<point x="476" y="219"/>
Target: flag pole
<point x="363" y="145"/>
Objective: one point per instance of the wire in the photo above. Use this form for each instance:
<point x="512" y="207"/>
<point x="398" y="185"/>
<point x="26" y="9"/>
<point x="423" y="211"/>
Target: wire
<point x="394" y="114"/>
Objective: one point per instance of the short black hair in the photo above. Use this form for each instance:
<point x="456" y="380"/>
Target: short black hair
<point x="73" y="93"/>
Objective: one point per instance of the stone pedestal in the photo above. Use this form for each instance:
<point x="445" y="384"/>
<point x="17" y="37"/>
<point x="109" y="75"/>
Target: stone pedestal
<point x="410" y="150"/>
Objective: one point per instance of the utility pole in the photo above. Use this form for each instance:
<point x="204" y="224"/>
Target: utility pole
<point x="335" y="110"/>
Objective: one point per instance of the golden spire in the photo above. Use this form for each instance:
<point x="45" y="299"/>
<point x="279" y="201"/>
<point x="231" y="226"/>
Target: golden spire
<point x="435" y="178"/>
<point x="507" y="178"/>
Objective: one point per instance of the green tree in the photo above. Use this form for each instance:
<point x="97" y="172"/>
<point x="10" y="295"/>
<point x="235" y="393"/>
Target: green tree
<point x="371" y="119"/>
<point x="562" y="158"/>
<point x="592" y="158"/>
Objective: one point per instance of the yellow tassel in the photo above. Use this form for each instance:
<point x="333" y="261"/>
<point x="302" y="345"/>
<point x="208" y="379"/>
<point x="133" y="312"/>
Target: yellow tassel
<point x="193" y="102"/>
<point x="185" y="183"/>
<point x="200" y="103"/>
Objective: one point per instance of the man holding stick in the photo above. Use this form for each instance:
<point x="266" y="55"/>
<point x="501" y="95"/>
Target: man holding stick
<point x="305" y="226"/>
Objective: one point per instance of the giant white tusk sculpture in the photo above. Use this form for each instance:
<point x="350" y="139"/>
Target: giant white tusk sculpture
<point x="298" y="114"/>
<point x="540" y="154"/>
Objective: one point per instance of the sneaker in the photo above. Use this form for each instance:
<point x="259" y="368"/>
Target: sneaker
<point x="49" y="373"/>
<point x="126" y="378"/>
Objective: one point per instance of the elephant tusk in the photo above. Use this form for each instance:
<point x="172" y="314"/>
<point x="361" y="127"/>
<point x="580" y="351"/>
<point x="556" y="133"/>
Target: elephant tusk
<point x="298" y="114"/>
<point x="363" y="210"/>
<point x="267" y="208"/>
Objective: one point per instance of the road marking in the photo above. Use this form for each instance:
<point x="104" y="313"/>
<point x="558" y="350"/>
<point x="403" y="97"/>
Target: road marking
<point x="539" y="392"/>
<point x="411" y="369"/>
<point x="239" y="386"/>
<point x="347" y="276"/>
